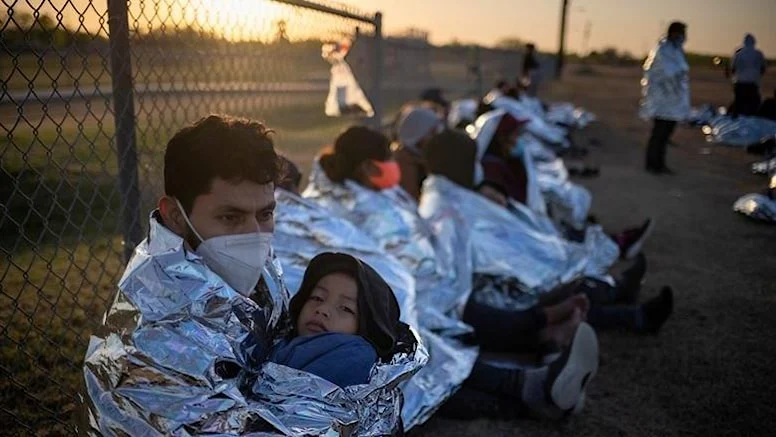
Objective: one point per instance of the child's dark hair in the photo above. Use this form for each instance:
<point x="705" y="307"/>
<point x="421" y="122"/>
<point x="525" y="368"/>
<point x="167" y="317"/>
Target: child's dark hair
<point x="291" y="177"/>
<point x="352" y="147"/>
<point x="378" y="309"/>
<point x="218" y="146"/>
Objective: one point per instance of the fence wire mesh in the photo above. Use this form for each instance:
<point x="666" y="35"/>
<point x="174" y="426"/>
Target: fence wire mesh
<point x="64" y="185"/>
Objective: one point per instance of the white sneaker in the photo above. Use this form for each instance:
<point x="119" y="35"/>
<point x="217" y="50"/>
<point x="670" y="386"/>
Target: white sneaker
<point x="569" y="375"/>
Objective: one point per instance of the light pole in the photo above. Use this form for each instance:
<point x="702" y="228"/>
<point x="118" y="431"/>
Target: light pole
<point x="562" y="43"/>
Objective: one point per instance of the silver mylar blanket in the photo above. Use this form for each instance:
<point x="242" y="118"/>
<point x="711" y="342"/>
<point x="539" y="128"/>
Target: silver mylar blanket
<point x="528" y="108"/>
<point x="176" y="355"/>
<point x="442" y="280"/>
<point x="515" y="242"/>
<point x="303" y="229"/>
<point x="567" y="202"/>
<point x="741" y="131"/>
<point x="665" y="85"/>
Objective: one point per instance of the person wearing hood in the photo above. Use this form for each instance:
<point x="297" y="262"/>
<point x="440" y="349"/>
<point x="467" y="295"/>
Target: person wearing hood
<point x="665" y="94"/>
<point x="747" y="66"/>
<point x="415" y="127"/>
<point x="345" y="319"/>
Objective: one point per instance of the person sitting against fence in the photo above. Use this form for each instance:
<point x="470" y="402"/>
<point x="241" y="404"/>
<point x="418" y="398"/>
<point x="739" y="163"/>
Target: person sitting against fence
<point x="452" y="155"/>
<point x="345" y="318"/>
<point x="203" y="271"/>
<point x="541" y="391"/>
<point x="416" y="126"/>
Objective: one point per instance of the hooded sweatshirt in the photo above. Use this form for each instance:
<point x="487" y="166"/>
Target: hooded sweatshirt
<point x="748" y="63"/>
<point x="340" y="358"/>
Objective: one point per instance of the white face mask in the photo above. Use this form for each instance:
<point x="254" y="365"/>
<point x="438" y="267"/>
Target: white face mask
<point x="238" y="259"/>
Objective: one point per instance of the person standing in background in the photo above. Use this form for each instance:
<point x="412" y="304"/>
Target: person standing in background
<point x="665" y="94"/>
<point x="531" y="74"/>
<point x="748" y="67"/>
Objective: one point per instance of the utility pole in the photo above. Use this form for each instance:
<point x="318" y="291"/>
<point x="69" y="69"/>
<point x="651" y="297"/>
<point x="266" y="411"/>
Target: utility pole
<point x="562" y="44"/>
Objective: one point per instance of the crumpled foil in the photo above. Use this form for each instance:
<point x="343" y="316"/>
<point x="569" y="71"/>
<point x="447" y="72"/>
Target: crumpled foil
<point x="567" y="114"/>
<point x="757" y="206"/>
<point x="665" y="84"/>
<point x="515" y="243"/>
<point x="530" y="109"/>
<point x="176" y="355"/>
<point x="442" y="281"/>
<point x="740" y="131"/>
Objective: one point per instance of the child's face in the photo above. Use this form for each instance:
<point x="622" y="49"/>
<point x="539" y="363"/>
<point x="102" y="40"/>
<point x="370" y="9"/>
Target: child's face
<point x="331" y="307"/>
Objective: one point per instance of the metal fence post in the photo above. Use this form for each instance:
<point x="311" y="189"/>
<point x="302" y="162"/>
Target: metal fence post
<point x="377" y="86"/>
<point x="124" y="118"/>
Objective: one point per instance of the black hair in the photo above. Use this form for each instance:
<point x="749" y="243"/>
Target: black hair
<point x="452" y="154"/>
<point x="291" y="177"/>
<point x="676" y="27"/>
<point x="378" y="309"/>
<point x="354" y="146"/>
<point x="218" y="146"/>
<point x="501" y="84"/>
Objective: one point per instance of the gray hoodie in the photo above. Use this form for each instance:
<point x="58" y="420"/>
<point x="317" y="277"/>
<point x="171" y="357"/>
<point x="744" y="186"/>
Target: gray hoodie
<point x="748" y="63"/>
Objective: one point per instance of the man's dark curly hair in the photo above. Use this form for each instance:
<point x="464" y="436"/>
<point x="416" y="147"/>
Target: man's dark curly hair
<point x="218" y="146"/>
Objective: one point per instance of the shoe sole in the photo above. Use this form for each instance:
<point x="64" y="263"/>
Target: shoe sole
<point x="635" y="248"/>
<point x="580" y="367"/>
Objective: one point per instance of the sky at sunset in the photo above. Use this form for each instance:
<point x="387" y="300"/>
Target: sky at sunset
<point x="715" y="26"/>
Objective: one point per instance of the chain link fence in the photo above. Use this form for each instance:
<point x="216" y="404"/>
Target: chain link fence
<point x="92" y="91"/>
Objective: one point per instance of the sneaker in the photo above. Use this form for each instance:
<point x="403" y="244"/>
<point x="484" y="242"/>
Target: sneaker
<point x="631" y="241"/>
<point x="569" y="375"/>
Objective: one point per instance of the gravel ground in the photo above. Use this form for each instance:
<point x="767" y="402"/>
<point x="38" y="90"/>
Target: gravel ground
<point x="710" y="371"/>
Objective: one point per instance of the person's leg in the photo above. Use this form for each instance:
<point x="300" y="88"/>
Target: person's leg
<point x="547" y="390"/>
<point x="504" y="330"/>
<point x="647" y="318"/>
<point x="653" y="145"/>
<point x="668" y="130"/>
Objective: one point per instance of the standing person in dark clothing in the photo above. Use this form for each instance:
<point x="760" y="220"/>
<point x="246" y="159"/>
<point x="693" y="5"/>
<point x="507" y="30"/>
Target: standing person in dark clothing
<point x="531" y="74"/>
<point x="748" y="67"/>
<point x="666" y="94"/>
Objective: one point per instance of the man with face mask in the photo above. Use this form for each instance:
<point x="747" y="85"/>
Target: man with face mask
<point x="666" y="94"/>
<point x="201" y="300"/>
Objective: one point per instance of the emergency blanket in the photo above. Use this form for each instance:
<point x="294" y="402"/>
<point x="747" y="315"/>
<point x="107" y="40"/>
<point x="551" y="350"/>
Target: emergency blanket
<point x="442" y="282"/>
<point x="740" y="131"/>
<point x="181" y="353"/>
<point x="665" y="84"/>
<point x="514" y="242"/>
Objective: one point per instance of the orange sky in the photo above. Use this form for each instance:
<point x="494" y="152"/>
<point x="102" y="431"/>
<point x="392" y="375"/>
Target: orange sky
<point x="715" y="26"/>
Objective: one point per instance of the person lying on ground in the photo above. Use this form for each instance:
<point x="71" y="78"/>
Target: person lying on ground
<point x="345" y="319"/>
<point x="505" y="171"/>
<point x="611" y="307"/>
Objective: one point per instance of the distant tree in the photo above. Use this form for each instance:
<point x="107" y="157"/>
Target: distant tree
<point x="510" y="43"/>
